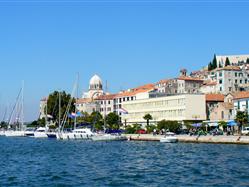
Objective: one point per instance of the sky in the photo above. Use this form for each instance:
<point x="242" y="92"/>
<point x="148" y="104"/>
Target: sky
<point x="127" y="43"/>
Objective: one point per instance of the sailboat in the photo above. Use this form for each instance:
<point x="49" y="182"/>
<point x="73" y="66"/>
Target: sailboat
<point x="17" y="114"/>
<point x="108" y="136"/>
<point x="80" y="133"/>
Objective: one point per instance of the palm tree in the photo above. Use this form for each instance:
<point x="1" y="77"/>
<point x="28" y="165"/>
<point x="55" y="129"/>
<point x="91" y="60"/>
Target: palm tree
<point x="148" y="117"/>
<point x="242" y="119"/>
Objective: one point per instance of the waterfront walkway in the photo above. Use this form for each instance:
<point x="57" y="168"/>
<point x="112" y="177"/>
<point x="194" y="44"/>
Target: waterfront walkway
<point x="193" y="139"/>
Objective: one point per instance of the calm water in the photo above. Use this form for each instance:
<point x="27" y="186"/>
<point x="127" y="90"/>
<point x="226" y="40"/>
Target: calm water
<point x="33" y="162"/>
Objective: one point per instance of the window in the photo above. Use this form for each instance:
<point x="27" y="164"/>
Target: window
<point x="240" y="81"/>
<point x="120" y="100"/>
<point x="222" y="114"/>
<point x="220" y="88"/>
<point x="236" y="81"/>
<point x="220" y="81"/>
<point x="235" y="74"/>
<point x="128" y="99"/>
<point x="132" y="98"/>
<point x="220" y="74"/>
<point x="230" y="89"/>
<point x="124" y="99"/>
<point x="109" y="102"/>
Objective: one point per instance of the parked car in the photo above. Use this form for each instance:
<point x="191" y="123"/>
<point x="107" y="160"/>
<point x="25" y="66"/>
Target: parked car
<point x="245" y="131"/>
<point x="141" y="131"/>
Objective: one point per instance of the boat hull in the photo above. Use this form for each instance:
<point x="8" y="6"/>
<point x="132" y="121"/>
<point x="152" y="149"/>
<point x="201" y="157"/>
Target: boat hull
<point x="14" y="133"/>
<point x="169" y="140"/>
<point x="40" y="135"/>
<point x="72" y="136"/>
<point x="108" y="137"/>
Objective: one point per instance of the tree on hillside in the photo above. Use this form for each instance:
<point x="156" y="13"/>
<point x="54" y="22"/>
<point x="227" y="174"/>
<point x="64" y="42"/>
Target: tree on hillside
<point x="213" y="65"/>
<point x="148" y="117"/>
<point x="227" y="62"/>
<point x="112" y="120"/>
<point x="241" y="119"/>
<point x="247" y="60"/>
<point x="53" y="104"/>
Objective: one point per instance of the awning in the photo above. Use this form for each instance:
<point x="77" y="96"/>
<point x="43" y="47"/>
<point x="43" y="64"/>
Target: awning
<point x="197" y="125"/>
<point x="231" y="123"/>
<point x="213" y="124"/>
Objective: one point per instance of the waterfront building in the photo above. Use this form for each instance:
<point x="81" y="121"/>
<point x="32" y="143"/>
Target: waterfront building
<point x="43" y="105"/>
<point x="219" y="107"/>
<point x="241" y="102"/>
<point x="229" y="79"/>
<point x="179" y="107"/>
<point x="182" y="84"/>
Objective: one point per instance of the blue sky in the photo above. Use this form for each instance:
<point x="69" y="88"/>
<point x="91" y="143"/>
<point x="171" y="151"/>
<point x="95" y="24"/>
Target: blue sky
<point x="127" y="43"/>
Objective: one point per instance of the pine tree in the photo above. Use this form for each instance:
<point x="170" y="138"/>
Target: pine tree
<point x="247" y="60"/>
<point x="214" y="63"/>
<point x="227" y="62"/>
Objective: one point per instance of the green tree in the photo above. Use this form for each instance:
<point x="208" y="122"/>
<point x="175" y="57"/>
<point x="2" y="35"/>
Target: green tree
<point x="247" y="60"/>
<point x="214" y="62"/>
<point x="3" y="125"/>
<point x="227" y="62"/>
<point x="172" y="126"/>
<point x="241" y="118"/>
<point x="148" y="117"/>
<point x="132" y="129"/>
<point x="97" y="120"/>
<point x="53" y="104"/>
<point x="112" y="120"/>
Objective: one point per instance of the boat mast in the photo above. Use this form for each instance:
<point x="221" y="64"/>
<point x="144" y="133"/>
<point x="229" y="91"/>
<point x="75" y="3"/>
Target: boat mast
<point x="59" y="111"/>
<point x="22" y="107"/>
<point x="77" y="92"/>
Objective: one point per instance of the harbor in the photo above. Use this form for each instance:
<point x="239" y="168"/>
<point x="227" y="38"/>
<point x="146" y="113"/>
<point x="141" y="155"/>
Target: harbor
<point x="221" y="139"/>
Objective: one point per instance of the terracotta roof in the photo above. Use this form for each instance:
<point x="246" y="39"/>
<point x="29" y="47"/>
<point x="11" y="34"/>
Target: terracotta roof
<point x="163" y="81"/>
<point x="83" y="100"/>
<point x="106" y="97"/>
<point x="210" y="83"/>
<point x="241" y="95"/>
<point x="186" y="78"/>
<point x="215" y="97"/>
<point x="234" y="68"/>
<point x="134" y="91"/>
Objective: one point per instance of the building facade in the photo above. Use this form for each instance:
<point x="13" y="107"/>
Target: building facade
<point x="182" y="107"/>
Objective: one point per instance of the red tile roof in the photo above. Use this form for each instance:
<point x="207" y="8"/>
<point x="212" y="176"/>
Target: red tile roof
<point x="83" y="100"/>
<point x="106" y="97"/>
<point x="215" y="97"/>
<point x="241" y="95"/>
<point x="186" y="78"/>
<point x="134" y="91"/>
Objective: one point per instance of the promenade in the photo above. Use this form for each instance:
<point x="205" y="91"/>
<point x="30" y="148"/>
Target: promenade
<point x="222" y="139"/>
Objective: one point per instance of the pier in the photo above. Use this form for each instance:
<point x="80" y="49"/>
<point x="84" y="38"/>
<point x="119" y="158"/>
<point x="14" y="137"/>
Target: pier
<point x="221" y="139"/>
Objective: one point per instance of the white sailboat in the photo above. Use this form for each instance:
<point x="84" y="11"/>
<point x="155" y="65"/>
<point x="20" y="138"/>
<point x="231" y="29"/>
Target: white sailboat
<point x="107" y="136"/>
<point x="82" y="133"/>
<point x="18" y="114"/>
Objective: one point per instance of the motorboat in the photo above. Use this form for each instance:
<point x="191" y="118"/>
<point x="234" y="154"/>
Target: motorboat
<point x="84" y="133"/>
<point x="108" y="137"/>
<point x="2" y="133"/>
<point x="41" y="132"/>
<point x="169" y="138"/>
<point x="14" y="133"/>
<point x="29" y="132"/>
<point x="51" y="134"/>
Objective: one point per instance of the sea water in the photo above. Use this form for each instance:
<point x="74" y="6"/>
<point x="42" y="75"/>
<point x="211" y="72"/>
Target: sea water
<point x="47" y="162"/>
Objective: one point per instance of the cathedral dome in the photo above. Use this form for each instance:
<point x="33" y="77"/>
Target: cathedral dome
<point x="95" y="83"/>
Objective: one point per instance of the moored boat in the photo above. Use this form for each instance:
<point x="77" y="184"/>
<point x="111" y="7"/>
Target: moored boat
<point x="84" y="133"/>
<point x="41" y="132"/>
<point x="108" y="137"/>
<point x="14" y="133"/>
<point x="29" y="132"/>
<point x="169" y="138"/>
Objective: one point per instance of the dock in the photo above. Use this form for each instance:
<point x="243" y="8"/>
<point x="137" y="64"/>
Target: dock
<point x="221" y="139"/>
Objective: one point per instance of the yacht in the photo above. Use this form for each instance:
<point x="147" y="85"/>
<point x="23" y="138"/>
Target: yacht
<point x="108" y="137"/>
<point x="41" y="132"/>
<point x="75" y="134"/>
<point x="29" y="132"/>
<point x="169" y="138"/>
<point x="14" y="133"/>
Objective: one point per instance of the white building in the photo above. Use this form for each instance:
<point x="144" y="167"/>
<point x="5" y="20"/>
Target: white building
<point x="229" y="78"/>
<point x="233" y="59"/>
<point x="181" y="108"/>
